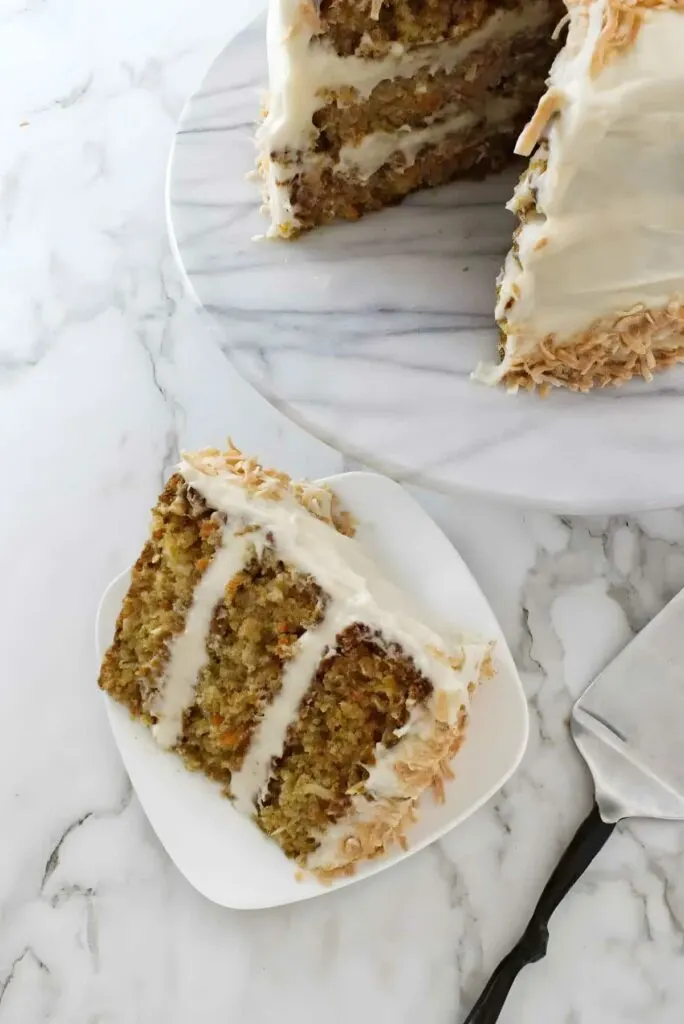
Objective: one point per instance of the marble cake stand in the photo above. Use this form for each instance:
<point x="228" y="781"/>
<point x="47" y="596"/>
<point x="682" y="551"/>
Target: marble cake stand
<point x="366" y="333"/>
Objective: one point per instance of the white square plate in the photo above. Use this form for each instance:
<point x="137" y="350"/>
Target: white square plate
<point x="222" y="853"/>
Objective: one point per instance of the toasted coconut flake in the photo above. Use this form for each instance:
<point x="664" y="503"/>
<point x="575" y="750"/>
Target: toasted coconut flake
<point x="550" y="103"/>
<point x="326" y="876"/>
<point x="442" y="707"/>
<point x="487" y="670"/>
<point x="306" y="19"/>
<point x="560" y="26"/>
<point x="454" y="661"/>
<point x="622" y="21"/>
<point x="272" y="485"/>
<point x="376" y="822"/>
<point x="610" y="352"/>
<point x="438" y="788"/>
<point x="428" y="763"/>
<point x="426" y="766"/>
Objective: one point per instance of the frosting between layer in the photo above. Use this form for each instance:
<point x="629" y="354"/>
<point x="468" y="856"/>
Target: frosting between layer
<point x="269" y="736"/>
<point x="356" y="591"/>
<point x="375" y="149"/>
<point x="187" y="652"/>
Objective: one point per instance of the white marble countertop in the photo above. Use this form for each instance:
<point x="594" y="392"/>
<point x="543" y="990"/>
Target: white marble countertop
<point x="105" y="370"/>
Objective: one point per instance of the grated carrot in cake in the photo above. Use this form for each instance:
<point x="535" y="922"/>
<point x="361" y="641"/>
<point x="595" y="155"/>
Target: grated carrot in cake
<point x="262" y="645"/>
<point x="373" y="99"/>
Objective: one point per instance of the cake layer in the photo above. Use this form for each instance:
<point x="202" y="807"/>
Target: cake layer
<point x="383" y="170"/>
<point x="258" y="619"/>
<point x="265" y="648"/>
<point x="184" y="538"/>
<point x="361" y="697"/>
<point x="517" y="62"/>
<point x="304" y="72"/>
<point x="376" y="26"/>
<point x="591" y="292"/>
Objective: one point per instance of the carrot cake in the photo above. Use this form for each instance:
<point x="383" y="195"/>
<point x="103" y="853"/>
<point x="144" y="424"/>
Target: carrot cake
<point x="592" y="290"/>
<point x="263" y="646"/>
<point x="372" y="99"/>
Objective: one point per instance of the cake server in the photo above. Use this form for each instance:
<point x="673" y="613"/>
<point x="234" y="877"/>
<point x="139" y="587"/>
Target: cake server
<point x="629" y="727"/>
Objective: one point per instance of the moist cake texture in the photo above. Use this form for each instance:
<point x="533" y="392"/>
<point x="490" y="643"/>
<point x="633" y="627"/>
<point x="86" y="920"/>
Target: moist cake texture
<point x="592" y="290"/>
<point x="372" y="99"/>
<point x="260" y="643"/>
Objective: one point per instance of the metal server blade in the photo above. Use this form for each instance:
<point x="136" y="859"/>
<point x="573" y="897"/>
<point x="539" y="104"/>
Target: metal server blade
<point x="629" y="724"/>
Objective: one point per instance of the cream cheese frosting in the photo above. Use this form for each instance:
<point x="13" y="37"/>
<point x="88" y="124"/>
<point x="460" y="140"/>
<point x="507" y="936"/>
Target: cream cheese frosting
<point x="376" y="148"/>
<point x="188" y="651"/>
<point x="602" y="204"/>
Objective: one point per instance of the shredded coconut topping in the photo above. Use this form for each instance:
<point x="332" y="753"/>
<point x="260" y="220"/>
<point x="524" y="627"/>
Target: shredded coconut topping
<point x="305" y="19"/>
<point x="272" y="485"/>
<point x="574" y="259"/>
<point x="610" y="352"/>
<point x="622" y="20"/>
<point x="426" y="764"/>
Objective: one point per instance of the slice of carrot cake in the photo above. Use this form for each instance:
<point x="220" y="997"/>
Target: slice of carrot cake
<point x="261" y="644"/>
<point x="372" y="99"/>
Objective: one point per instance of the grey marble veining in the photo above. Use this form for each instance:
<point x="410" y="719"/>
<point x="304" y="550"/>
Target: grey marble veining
<point x="106" y="370"/>
<point x="367" y="333"/>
